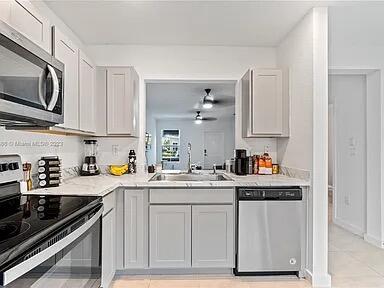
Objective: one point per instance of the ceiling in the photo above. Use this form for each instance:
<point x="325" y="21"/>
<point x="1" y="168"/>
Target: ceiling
<point x="224" y="23"/>
<point x="180" y="100"/>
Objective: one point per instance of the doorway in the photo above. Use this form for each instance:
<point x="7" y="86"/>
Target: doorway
<point x="347" y="140"/>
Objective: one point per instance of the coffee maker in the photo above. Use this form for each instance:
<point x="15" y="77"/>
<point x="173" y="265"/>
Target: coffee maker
<point x="241" y="162"/>
<point x="90" y="166"/>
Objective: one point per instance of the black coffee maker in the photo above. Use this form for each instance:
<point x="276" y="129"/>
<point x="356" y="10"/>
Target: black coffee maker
<point x="241" y="162"/>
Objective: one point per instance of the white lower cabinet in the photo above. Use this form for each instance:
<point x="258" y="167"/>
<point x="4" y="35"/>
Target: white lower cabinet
<point x="135" y="228"/>
<point x="212" y="236"/>
<point x="108" y="267"/>
<point x="197" y="236"/>
<point x="170" y="236"/>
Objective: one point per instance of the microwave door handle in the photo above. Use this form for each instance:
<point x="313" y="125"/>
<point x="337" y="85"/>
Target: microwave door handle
<point x="56" y="87"/>
<point x="42" y="79"/>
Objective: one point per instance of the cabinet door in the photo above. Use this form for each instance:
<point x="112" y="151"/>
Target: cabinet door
<point x="108" y="248"/>
<point x="212" y="236"/>
<point x="266" y="102"/>
<point x="136" y="228"/>
<point x="119" y="101"/>
<point x="170" y="236"/>
<point x="66" y="52"/>
<point x="86" y="93"/>
<point x="24" y="17"/>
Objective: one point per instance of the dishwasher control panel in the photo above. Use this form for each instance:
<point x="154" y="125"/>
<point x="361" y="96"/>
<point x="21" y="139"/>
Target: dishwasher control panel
<point x="269" y="194"/>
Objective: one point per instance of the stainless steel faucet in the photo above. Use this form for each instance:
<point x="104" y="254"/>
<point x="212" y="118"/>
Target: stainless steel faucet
<point x="214" y="169"/>
<point x="189" y="158"/>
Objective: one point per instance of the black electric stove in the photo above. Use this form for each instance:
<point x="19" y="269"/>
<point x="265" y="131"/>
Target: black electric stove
<point x="26" y="220"/>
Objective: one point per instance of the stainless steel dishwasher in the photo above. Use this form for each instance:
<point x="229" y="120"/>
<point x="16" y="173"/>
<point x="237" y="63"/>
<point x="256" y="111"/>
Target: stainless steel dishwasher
<point x="269" y="231"/>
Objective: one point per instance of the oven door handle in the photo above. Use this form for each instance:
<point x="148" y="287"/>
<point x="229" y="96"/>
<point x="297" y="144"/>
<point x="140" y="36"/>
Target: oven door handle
<point x="20" y="269"/>
<point x="55" y="89"/>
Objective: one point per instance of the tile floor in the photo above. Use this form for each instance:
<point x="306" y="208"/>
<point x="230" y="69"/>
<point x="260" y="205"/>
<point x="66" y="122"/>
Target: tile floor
<point x="353" y="263"/>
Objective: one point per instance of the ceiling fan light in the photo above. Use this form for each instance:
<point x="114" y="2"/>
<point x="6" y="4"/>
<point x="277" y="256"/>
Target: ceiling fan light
<point x="198" y="121"/>
<point x="207" y="104"/>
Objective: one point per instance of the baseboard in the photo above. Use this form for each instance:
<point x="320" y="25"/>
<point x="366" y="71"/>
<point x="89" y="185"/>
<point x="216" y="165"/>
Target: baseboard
<point x="321" y="280"/>
<point x="349" y="227"/>
<point x="176" y="271"/>
<point x="374" y="241"/>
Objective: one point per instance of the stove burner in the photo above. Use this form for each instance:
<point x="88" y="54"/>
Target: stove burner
<point x="12" y="229"/>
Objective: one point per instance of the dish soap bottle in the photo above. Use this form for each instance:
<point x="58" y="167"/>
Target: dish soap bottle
<point x="132" y="162"/>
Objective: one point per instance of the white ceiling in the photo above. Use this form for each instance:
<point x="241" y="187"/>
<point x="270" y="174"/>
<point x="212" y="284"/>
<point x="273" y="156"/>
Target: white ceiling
<point x="180" y="100"/>
<point x="226" y="23"/>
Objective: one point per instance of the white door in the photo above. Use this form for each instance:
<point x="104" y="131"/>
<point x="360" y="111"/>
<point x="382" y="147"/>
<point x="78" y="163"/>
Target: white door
<point x="108" y="248"/>
<point x="135" y="229"/>
<point x="267" y="102"/>
<point x="170" y="236"/>
<point x="213" y="149"/>
<point x="66" y="52"/>
<point x="87" y="93"/>
<point x="212" y="236"/>
<point x="119" y="102"/>
<point x="25" y="18"/>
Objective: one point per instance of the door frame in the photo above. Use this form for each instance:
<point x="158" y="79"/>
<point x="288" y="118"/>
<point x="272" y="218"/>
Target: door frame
<point x="349" y="71"/>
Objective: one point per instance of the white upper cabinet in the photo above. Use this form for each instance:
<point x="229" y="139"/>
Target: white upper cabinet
<point x="122" y="101"/>
<point x="25" y="18"/>
<point x="87" y="75"/>
<point x="265" y="108"/>
<point x="68" y="53"/>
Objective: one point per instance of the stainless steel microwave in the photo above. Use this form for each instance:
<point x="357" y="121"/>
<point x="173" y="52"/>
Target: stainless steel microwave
<point x="31" y="83"/>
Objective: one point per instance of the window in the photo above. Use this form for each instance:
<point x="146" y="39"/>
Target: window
<point x="170" y="145"/>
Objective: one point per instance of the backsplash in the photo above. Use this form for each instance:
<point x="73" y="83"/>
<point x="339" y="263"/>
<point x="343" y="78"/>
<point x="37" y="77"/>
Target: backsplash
<point x="295" y="173"/>
<point x="32" y="146"/>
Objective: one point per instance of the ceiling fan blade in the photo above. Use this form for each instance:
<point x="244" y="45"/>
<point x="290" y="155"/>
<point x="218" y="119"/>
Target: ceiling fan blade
<point x="209" y="118"/>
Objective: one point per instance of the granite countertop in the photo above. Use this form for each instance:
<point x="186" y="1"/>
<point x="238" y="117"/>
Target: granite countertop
<point x="101" y="185"/>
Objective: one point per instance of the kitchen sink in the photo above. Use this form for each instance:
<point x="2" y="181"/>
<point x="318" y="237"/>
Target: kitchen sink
<point x="189" y="177"/>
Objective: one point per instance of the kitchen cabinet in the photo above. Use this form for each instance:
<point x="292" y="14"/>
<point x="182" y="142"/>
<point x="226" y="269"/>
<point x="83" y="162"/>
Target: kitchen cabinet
<point x="191" y="232"/>
<point x="265" y="106"/>
<point x="108" y="240"/>
<point x="170" y="236"/>
<point x="212" y="236"/>
<point x="136" y="228"/>
<point x="68" y="53"/>
<point x="25" y="18"/>
<point x="86" y="93"/>
<point x="122" y="101"/>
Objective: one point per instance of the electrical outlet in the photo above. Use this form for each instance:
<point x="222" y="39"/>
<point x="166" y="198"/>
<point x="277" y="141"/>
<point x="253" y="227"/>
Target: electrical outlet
<point x="115" y="150"/>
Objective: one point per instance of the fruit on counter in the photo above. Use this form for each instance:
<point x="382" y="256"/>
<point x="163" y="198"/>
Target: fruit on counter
<point x="118" y="170"/>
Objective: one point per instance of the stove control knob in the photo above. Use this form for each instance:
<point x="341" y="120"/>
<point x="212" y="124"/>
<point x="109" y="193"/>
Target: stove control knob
<point x="3" y="167"/>
<point x="13" y="166"/>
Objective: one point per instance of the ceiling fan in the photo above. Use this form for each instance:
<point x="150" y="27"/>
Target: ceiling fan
<point x="208" y="100"/>
<point x="199" y="118"/>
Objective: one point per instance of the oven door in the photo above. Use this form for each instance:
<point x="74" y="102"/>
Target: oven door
<point x="31" y="81"/>
<point x="73" y="261"/>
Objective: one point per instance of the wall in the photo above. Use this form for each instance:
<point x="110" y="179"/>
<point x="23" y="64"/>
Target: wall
<point x="191" y="63"/>
<point x="31" y="146"/>
<point x="194" y="134"/>
<point x="295" y="56"/>
<point x="349" y="94"/>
